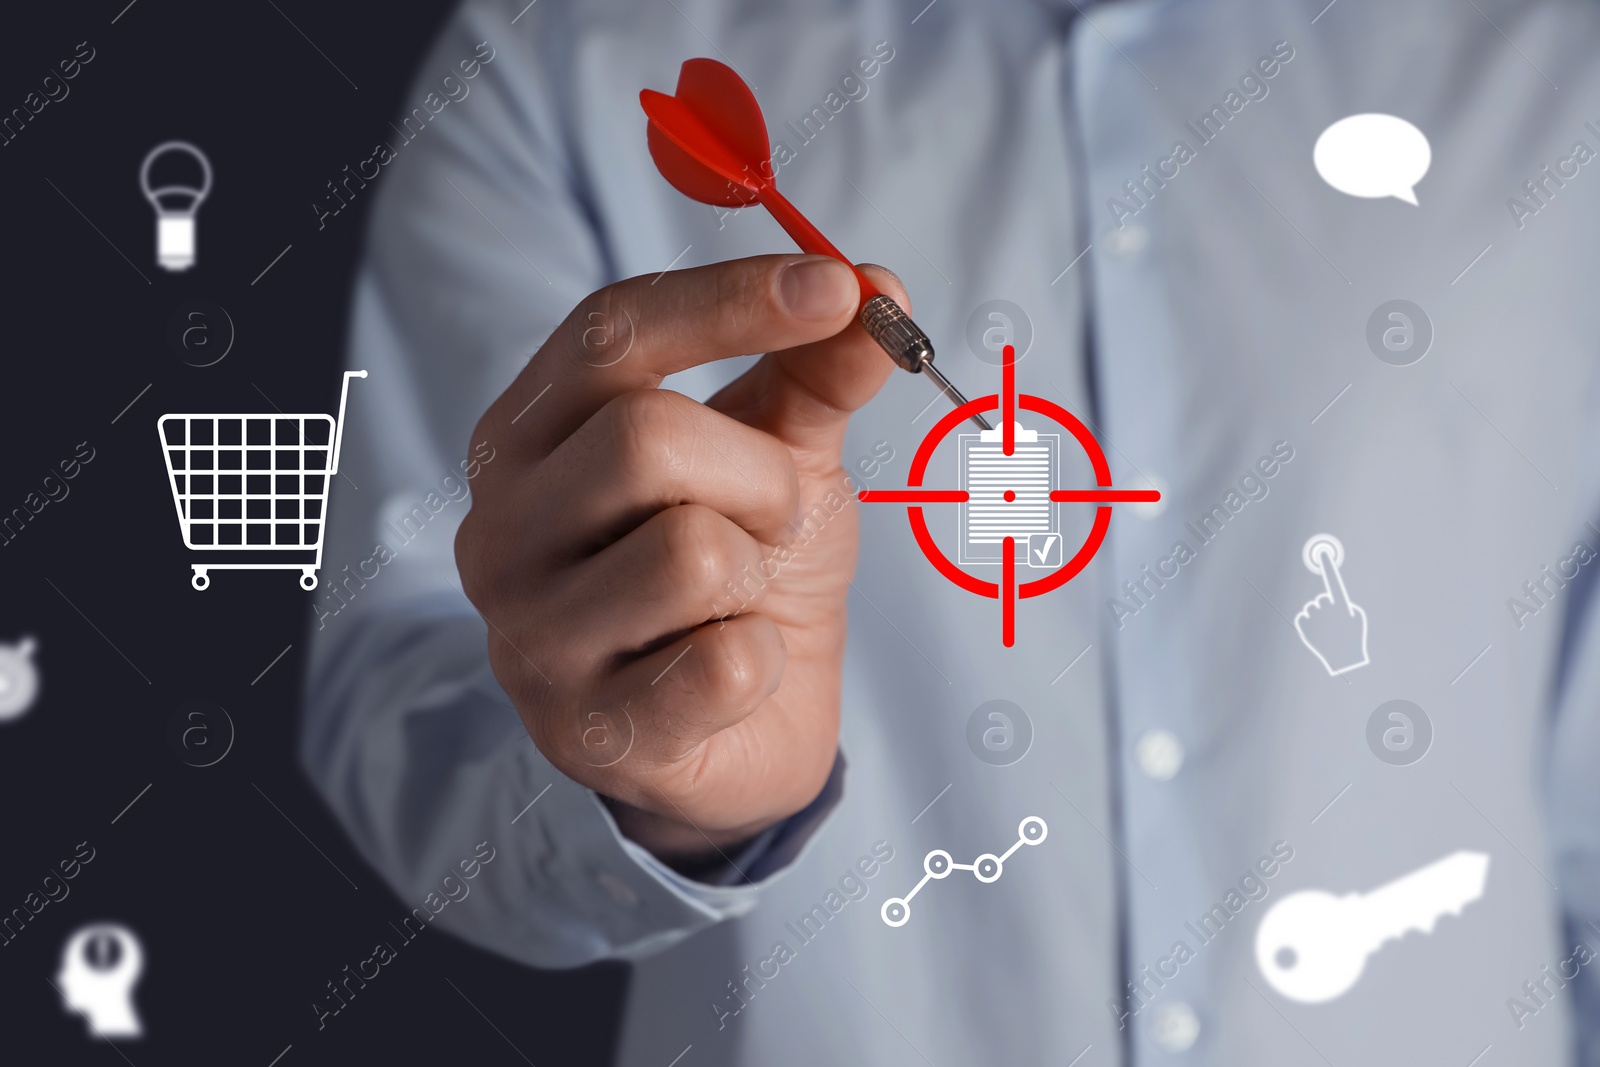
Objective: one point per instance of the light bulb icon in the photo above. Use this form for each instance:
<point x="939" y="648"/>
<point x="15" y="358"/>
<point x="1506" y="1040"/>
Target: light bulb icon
<point x="175" y="225"/>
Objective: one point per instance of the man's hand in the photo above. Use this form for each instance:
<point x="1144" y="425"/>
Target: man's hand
<point x="605" y="549"/>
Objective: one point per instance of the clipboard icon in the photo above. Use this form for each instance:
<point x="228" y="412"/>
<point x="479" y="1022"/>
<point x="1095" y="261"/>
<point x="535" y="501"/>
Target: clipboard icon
<point x="987" y="474"/>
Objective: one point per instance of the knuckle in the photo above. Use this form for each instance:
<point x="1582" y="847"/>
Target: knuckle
<point x="739" y="665"/>
<point x="644" y="431"/>
<point x="603" y="327"/>
<point x="697" y="547"/>
<point x="482" y="555"/>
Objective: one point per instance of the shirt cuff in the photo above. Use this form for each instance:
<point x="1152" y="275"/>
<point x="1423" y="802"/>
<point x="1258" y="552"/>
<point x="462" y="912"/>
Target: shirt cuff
<point x="757" y="863"/>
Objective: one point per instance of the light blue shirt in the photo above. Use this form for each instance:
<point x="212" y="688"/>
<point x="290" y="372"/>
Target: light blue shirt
<point x="1206" y="312"/>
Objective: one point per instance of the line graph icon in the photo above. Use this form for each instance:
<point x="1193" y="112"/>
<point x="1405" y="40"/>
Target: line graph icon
<point x="253" y="483"/>
<point x="987" y="868"/>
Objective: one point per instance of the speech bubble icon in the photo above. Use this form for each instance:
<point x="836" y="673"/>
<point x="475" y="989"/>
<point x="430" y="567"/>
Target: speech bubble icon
<point x="1373" y="155"/>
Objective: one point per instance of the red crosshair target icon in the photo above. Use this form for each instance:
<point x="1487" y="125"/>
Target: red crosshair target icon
<point x="1007" y="590"/>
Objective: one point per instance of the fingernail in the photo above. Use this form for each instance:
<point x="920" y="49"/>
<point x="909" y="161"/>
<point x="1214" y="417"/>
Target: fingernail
<point x="818" y="287"/>
<point x="886" y="270"/>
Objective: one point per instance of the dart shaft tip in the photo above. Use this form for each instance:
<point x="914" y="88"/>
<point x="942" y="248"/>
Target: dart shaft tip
<point x="949" y="390"/>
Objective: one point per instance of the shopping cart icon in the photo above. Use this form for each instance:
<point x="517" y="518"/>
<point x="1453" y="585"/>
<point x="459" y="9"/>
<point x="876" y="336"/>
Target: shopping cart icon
<point x="247" y="484"/>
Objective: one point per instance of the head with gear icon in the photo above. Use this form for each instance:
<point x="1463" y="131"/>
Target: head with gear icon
<point x="99" y="969"/>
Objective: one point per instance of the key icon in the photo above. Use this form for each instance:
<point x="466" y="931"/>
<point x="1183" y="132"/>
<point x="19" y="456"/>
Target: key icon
<point x="1312" y="946"/>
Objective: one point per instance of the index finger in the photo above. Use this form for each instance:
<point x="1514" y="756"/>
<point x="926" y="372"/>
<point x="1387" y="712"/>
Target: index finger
<point x="1332" y="580"/>
<point x="633" y="333"/>
<point x="1343" y="595"/>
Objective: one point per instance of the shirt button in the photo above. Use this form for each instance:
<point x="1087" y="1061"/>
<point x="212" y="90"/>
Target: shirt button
<point x="1175" y="1027"/>
<point x="1159" y="754"/>
<point x="1129" y="242"/>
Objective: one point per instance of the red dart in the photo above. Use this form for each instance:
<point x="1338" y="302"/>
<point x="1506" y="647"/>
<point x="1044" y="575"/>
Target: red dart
<point x="710" y="141"/>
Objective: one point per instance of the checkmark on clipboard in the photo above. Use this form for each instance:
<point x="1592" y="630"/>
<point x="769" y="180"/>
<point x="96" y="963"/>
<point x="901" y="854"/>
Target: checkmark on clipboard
<point x="1044" y="550"/>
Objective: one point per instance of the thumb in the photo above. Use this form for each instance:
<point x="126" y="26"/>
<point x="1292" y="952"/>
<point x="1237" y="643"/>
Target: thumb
<point x="804" y="396"/>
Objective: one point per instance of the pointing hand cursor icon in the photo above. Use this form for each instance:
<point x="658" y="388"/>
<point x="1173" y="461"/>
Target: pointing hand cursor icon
<point x="1331" y="625"/>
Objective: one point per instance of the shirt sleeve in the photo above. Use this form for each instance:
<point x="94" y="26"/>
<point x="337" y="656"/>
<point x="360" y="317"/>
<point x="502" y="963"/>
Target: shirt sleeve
<point x="1572" y="800"/>
<point x="479" y="243"/>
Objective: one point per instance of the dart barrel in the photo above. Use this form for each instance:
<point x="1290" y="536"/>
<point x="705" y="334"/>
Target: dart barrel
<point x="892" y="328"/>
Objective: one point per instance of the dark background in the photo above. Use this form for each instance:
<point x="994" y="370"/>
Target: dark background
<point x="241" y="919"/>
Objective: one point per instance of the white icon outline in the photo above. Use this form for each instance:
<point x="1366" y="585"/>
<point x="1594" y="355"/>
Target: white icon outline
<point x="1321" y="554"/>
<point x="103" y="998"/>
<point x="19" y="678"/>
<point x="987" y="868"/>
<point x="1313" y="946"/>
<point x="196" y="489"/>
<point x="175" y="227"/>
